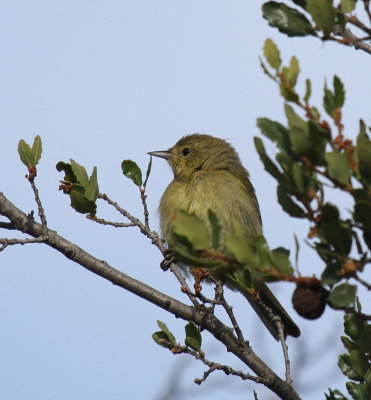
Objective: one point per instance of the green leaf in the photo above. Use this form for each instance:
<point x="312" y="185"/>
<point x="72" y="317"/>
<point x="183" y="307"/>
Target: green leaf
<point x="269" y="165"/>
<point x="334" y="231"/>
<point x="92" y="188"/>
<point x="80" y="173"/>
<point x="339" y="92"/>
<point x="165" y="329"/>
<point x="343" y="295"/>
<point x="215" y="229"/>
<point x="80" y="203"/>
<point x="148" y="171"/>
<point x="237" y="246"/>
<point x="322" y="13"/>
<point x="348" y="344"/>
<point x="265" y="70"/>
<point x="346" y="367"/>
<point x="362" y="213"/>
<point x="191" y="231"/>
<point x="274" y="131"/>
<point x="25" y="154"/>
<point x="131" y="170"/>
<point x="331" y="274"/>
<point x="36" y="149"/>
<point x="193" y="337"/>
<point x="359" y="362"/>
<point x="281" y="260"/>
<point x="287" y="92"/>
<point x="308" y="90"/>
<point x="307" y="138"/>
<point x="338" y="167"/>
<point x="335" y="395"/>
<point x="272" y="54"/>
<point x="300" y="3"/>
<point x="188" y="257"/>
<point x="347" y="6"/>
<point x="359" y="391"/>
<point x="288" y="20"/>
<point x="328" y="101"/>
<point x="287" y="204"/>
<point x="291" y="73"/>
<point x="319" y="140"/>
<point x="69" y="176"/>
<point x="363" y="152"/>
<point x="164" y="337"/>
<point x="359" y="331"/>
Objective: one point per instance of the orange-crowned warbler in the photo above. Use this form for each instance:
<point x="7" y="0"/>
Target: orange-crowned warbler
<point x="208" y="174"/>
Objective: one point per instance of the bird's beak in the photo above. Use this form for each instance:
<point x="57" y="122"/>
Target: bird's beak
<point x="162" y="154"/>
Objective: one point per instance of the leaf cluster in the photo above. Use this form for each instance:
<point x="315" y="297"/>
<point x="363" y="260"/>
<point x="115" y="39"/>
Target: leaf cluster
<point x="245" y="261"/>
<point x="165" y="338"/>
<point x="356" y="362"/>
<point x="320" y="18"/>
<point x="82" y="189"/>
<point x="312" y="156"/>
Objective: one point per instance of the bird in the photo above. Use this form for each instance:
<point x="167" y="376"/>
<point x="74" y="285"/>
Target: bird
<point x="208" y="174"/>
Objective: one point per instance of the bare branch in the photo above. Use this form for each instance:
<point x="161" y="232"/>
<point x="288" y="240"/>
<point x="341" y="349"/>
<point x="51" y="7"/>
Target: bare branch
<point x="219" y="294"/>
<point x="10" y="242"/>
<point x="41" y="212"/>
<point x="143" y="197"/>
<point x="362" y="282"/>
<point x="350" y="39"/>
<point x="282" y="338"/>
<point x="110" y="223"/>
<point x="199" y="316"/>
<point x="213" y="366"/>
<point x="7" y="225"/>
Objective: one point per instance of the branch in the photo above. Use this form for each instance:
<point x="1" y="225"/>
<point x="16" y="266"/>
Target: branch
<point x="351" y="39"/>
<point x="38" y="202"/>
<point x="9" y="242"/>
<point x="213" y="366"/>
<point x="109" y="223"/>
<point x="7" y="225"/>
<point x="200" y="317"/>
<point x="155" y="239"/>
<point x="362" y="282"/>
<point x="282" y="338"/>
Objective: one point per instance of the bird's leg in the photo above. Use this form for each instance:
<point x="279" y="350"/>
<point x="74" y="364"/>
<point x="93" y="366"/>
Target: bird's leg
<point x="169" y="258"/>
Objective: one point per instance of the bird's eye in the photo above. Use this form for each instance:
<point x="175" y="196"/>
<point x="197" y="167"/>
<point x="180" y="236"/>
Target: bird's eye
<point x="186" y="151"/>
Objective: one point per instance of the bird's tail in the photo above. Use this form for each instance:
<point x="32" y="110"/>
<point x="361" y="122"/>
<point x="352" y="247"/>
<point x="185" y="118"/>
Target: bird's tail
<point x="269" y="300"/>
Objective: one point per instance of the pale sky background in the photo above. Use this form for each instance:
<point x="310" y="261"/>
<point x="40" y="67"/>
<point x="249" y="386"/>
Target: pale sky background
<point x="103" y="81"/>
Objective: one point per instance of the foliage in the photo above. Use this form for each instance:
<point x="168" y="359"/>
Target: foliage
<point x="313" y="155"/>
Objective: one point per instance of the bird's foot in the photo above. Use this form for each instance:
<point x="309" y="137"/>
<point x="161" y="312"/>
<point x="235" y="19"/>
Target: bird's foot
<point x="169" y="258"/>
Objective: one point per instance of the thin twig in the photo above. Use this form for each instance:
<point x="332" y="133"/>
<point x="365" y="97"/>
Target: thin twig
<point x="5" y="242"/>
<point x="366" y="4"/>
<point x="353" y="19"/>
<point x="155" y="239"/>
<point x="362" y="282"/>
<point x="282" y="338"/>
<point x="38" y="202"/>
<point x="213" y="366"/>
<point x="350" y="39"/>
<point x="143" y="197"/>
<point x="219" y="294"/>
<point x="110" y="223"/>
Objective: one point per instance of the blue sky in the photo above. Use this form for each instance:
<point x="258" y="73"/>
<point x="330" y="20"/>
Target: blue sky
<point x="105" y="81"/>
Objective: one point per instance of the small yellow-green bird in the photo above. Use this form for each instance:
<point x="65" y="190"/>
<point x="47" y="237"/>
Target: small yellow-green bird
<point x="208" y="174"/>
